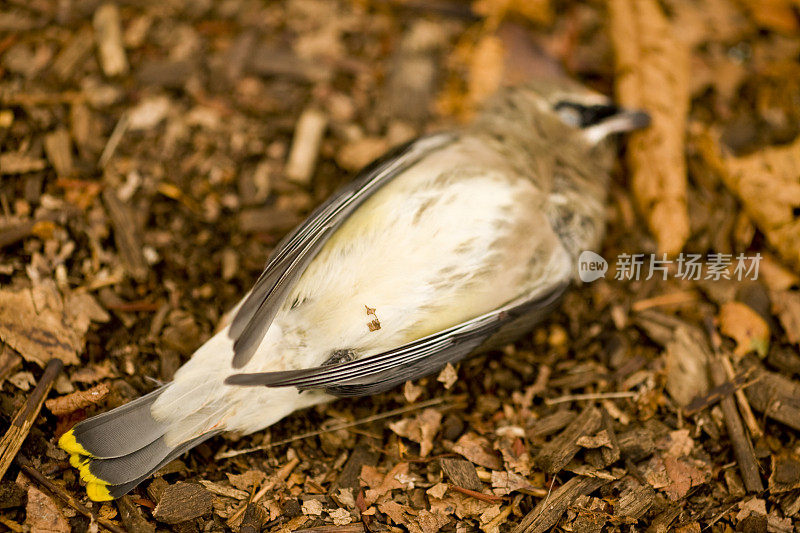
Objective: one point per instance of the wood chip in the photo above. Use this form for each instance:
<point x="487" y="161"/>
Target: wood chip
<point x="126" y="236"/>
<point x="183" y="501"/>
<point x="108" y="34"/>
<point x="558" y="452"/>
<point x="58" y="147"/>
<point x="548" y="511"/>
<point x="132" y="517"/>
<point x="305" y="145"/>
<point x="774" y="395"/>
<point x="652" y="66"/>
<point x="65" y="405"/>
<point x="461" y="473"/>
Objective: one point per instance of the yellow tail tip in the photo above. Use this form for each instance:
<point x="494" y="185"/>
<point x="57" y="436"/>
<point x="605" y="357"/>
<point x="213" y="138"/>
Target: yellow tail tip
<point x="87" y="476"/>
<point x="98" y="492"/>
<point x="70" y="444"/>
<point x="76" y="461"/>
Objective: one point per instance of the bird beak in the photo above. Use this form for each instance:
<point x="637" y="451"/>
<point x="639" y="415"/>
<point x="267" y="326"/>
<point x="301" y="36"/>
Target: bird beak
<point x="620" y="122"/>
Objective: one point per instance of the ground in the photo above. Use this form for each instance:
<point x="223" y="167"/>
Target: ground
<point x="153" y="153"/>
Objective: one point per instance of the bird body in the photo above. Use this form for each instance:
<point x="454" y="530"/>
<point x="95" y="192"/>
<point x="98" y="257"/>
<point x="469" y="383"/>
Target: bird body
<point x="452" y="243"/>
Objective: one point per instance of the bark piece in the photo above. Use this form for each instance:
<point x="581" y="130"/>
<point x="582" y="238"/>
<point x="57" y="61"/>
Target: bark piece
<point x="349" y="477"/>
<point x="58" y="147"/>
<point x="549" y="510"/>
<point x="558" y="452"/>
<point x="775" y="396"/>
<point x="652" y="66"/>
<point x="183" y="501"/>
<point x="462" y="473"/>
<point x="126" y="236"/>
<point x="132" y="517"/>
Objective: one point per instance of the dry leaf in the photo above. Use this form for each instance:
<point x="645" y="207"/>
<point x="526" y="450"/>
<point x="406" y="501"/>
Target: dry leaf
<point x="41" y="325"/>
<point x="485" y="69"/>
<point x="494" y="11"/>
<point x="70" y="403"/>
<point x="777" y="15"/>
<point x="411" y="391"/>
<point x="507" y="482"/>
<point x="767" y="183"/>
<point x="477" y="450"/>
<point x="42" y="514"/>
<point x="448" y="376"/>
<point x="421" y="429"/>
<point x="786" y="305"/>
<point x="397" y="478"/>
<point x="652" y="67"/>
<point x="739" y="322"/>
<point x="340" y="516"/>
<point x="312" y="507"/>
<point x="248" y="480"/>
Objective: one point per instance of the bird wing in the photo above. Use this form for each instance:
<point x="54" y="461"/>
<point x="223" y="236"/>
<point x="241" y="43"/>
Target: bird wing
<point x="296" y="250"/>
<point x="380" y="372"/>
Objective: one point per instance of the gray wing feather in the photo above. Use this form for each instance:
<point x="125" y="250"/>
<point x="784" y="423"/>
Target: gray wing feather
<point x="420" y="358"/>
<point x="295" y="252"/>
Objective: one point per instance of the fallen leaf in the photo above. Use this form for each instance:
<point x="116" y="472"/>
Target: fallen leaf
<point x="741" y="323"/>
<point x="537" y="11"/>
<point x="42" y="514"/>
<point x="55" y="329"/>
<point x="507" y="482"/>
<point x="395" y="479"/>
<point x="448" y="376"/>
<point x="777" y="15"/>
<point x="340" y="516"/>
<point x="312" y="507"/>
<point x="786" y="305"/>
<point x="477" y="450"/>
<point x="652" y="66"/>
<point x="421" y="429"/>
<point x="70" y="403"/>
<point x="411" y="391"/>
<point x="248" y="480"/>
<point x="23" y="380"/>
<point x="767" y="183"/>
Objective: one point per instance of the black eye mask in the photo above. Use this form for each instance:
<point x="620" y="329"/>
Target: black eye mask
<point x="585" y="115"/>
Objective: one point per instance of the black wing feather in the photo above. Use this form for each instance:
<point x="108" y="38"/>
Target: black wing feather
<point x="295" y="252"/>
<point x="419" y="358"/>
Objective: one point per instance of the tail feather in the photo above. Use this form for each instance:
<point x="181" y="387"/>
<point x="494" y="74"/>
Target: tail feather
<point x="100" y="491"/>
<point x="118" y="432"/>
<point x="116" y="450"/>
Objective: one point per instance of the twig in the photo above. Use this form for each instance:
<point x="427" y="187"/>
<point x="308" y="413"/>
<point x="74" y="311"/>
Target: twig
<point x="346" y="425"/>
<point x="60" y="493"/>
<point x="742" y="446"/>
<point x="113" y="141"/>
<point x="590" y="396"/>
<point x="25" y="417"/>
<point x="488" y="498"/>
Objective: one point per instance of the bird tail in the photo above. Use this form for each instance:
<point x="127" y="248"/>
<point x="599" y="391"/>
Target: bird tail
<point x="117" y="450"/>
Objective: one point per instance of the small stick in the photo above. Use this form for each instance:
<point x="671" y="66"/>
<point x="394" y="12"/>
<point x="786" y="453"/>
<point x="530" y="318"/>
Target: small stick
<point x="61" y="494"/>
<point x="26" y="416"/>
<point x="742" y="446"/>
<point x="488" y="498"/>
<point x="590" y="396"/>
<point x="346" y="425"/>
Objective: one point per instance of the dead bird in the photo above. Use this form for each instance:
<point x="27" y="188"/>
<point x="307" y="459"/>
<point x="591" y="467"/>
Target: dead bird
<point x="453" y="243"/>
